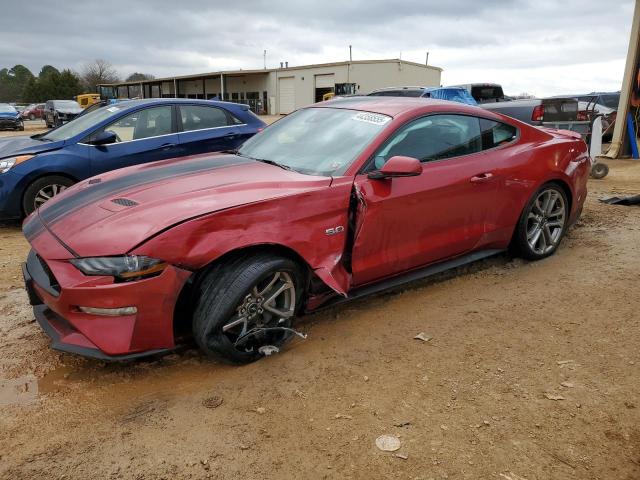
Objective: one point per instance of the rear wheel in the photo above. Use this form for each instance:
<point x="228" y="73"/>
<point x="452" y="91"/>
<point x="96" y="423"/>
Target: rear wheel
<point x="542" y="223"/>
<point x="32" y="116"/>
<point x="246" y="307"/>
<point x="42" y="190"/>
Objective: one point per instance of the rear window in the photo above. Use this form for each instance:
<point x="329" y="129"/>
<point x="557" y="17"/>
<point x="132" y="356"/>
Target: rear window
<point x="487" y="94"/>
<point x="610" y="101"/>
<point x="495" y="134"/>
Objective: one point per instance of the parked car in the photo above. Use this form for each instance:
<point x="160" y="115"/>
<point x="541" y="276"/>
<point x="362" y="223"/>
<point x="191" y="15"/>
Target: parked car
<point x="453" y="94"/>
<point x="10" y="118"/>
<point x="485" y="92"/>
<point x="34" y="169"/>
<point x="334" y="201"/>
<point x="57" y="112"/>
<point x="33" y="111"/>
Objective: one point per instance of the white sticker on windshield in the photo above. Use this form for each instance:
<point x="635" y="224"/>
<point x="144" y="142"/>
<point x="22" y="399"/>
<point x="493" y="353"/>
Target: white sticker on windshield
<point x="113" y="109"/>
<point x="375" y="118"/>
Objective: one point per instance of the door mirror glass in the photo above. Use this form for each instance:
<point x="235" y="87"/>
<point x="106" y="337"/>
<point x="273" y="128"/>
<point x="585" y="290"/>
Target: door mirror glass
<point x="104" y="138"/>
<point x="398" y="166"/>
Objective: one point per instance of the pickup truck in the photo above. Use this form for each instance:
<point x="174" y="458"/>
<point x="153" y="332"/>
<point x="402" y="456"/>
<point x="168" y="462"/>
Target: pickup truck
<point x="567" y="113"/>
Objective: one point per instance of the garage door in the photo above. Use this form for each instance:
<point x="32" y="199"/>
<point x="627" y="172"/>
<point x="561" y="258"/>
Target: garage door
<point x="287" y="95"/>
<point x="325" y="81"/>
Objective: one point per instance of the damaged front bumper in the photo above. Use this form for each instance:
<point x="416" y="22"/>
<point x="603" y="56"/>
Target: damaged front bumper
<point x="55" y="305"/>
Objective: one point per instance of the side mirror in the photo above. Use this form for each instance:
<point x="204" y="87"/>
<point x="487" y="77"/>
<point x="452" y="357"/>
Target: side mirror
<point x="104" y="138"/>
<point x="398" y="166"/>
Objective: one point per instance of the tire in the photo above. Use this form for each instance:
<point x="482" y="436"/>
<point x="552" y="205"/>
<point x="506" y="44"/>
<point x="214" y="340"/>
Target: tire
<point x="535" y="223"/>
<point x="32" y="116"/>
<point x="51" y="185"/>
<point x="599" y="170"/>
<point x="21" y="127"/>
<point x="227" y="291"/>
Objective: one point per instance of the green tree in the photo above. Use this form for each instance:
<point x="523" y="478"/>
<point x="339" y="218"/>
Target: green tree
<point x="46" y="70"/>
<point x="13" y="81"/>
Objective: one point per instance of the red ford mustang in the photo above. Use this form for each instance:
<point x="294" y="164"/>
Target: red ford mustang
<point x="334" y="201"/>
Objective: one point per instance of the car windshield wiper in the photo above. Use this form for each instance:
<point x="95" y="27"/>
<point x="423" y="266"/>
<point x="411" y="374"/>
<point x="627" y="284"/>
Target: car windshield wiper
<point x="41" y="137"/>
<point x="270" y="162"/>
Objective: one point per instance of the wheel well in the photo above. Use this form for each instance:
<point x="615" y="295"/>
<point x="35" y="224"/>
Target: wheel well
<point x="185" y="304"/>
<point x="48" y="174"/>
<point x="565" y="187"/>
<point x="556" y="181"/>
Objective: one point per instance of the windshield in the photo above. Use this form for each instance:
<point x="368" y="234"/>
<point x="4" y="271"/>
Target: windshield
<point x="316" y="141"/>
<point x="81" y="123"/>
<point x="6" y="108"/>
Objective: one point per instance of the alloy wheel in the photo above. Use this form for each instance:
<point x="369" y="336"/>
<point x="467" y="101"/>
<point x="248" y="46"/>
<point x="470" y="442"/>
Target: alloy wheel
<point x="264" y="315"/>
<point x="47" y="193"/>
<point x="546" y="221"/>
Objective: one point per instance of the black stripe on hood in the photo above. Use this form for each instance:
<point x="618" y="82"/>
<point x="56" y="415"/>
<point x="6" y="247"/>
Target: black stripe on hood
<point x="32" y="227"/>
<point x="85" y="196"/>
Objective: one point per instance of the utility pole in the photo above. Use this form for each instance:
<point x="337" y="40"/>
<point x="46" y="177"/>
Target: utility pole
<point x="264" y="55"/>
<point x="350" y="56"/>
<point x="426" y="62"/>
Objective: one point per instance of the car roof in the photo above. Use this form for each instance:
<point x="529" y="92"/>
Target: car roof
<point x="393" y="106"/>
<point x="162" y="101"/>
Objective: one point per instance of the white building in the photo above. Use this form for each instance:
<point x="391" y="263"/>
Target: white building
<point x="282" y="90"/>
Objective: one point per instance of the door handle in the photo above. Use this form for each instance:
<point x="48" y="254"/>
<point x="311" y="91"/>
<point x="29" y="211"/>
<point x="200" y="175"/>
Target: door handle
<point x="166" y="146"/>
<point x="229" y="135"/>
<point x="482" y="177"/>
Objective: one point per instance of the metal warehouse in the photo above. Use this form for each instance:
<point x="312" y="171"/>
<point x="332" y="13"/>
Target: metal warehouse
<point x="282" y="90"/>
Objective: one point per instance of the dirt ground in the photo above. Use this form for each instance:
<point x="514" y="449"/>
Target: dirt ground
<point x="532" y="372"/>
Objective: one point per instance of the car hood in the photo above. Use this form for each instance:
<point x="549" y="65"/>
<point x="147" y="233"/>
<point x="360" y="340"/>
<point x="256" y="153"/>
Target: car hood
<point x="70" y="110"/>
<point x="113" y="213"/>
<point x="9" y="114"/>
<point x="10" y="146"/>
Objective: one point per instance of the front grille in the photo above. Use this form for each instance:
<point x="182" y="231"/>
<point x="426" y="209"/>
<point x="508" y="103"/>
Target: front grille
<point x="53" y="282"/>
<point x="125" y="202"/>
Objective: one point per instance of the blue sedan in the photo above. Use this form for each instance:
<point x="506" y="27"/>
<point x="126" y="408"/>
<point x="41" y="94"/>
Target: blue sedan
<point x="35" y="169"/>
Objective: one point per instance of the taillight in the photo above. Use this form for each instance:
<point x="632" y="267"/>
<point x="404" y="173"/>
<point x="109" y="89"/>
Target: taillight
<point x="538" y="113"/>
<point x="260" y="129"/>
<point x="582" y="116"/>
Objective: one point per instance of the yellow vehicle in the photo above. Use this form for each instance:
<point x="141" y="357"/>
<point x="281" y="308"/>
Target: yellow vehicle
<point x="328" y="96"/>
<point x="87" y="99"/>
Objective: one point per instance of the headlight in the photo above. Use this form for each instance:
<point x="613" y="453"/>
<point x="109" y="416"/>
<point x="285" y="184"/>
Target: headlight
<point x="127" y="267"/>
<point x="7" y="163"/>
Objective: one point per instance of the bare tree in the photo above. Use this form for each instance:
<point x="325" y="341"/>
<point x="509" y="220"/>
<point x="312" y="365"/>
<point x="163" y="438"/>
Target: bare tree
<point x="97" y="72"/>
<point x="139" y="77"/>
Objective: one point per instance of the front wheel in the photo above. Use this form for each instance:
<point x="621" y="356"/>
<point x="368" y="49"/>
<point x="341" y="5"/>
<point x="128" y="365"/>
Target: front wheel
<point x="42" y="190"/>
<point x="32" y="116"/>
<point x="543" y="223"/>
<point x="246" y="307"/>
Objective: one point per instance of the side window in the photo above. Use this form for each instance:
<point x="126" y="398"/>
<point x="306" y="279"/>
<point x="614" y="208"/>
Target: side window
<point x="150" y="122"/>
<point x="435" y="137"/>
<point x="198" y="117"/>
<point x="495" y="134"/>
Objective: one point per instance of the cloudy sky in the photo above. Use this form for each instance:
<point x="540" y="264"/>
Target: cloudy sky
<point x="542" y="47"/>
